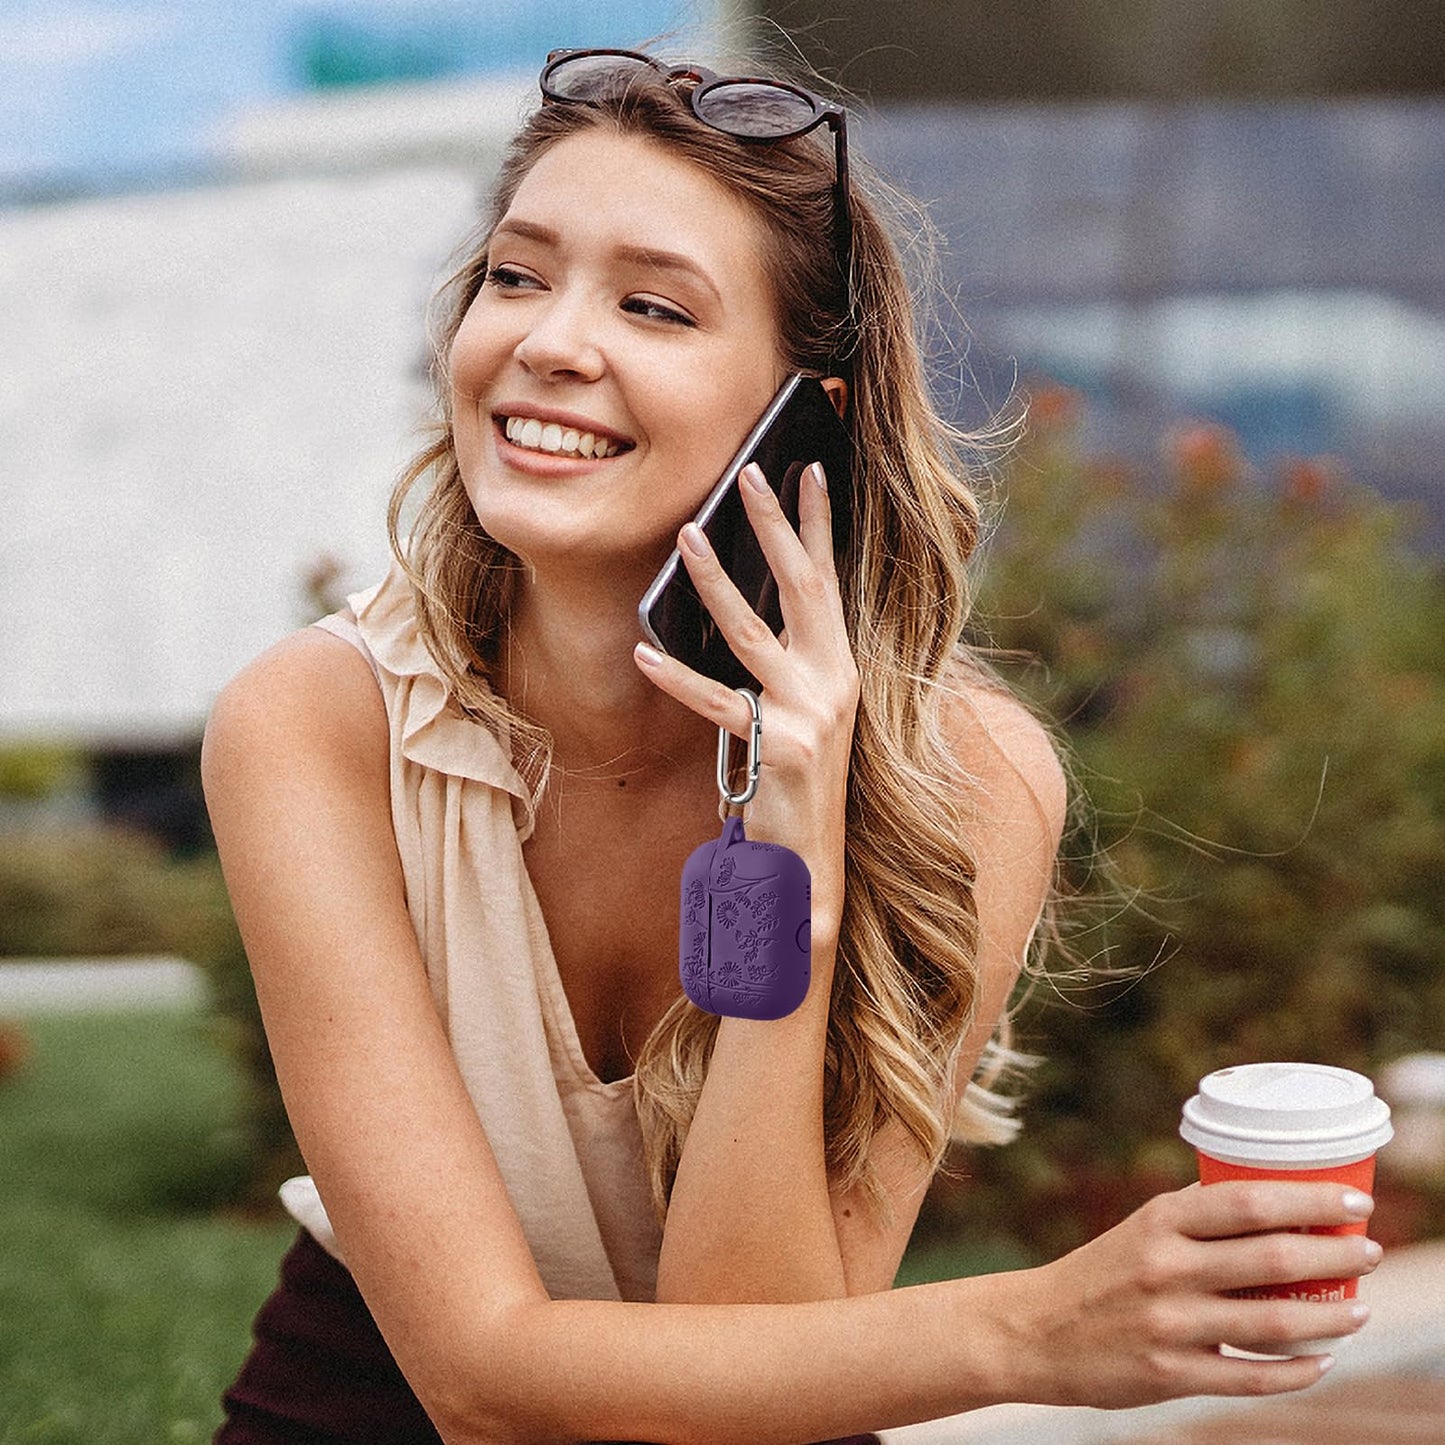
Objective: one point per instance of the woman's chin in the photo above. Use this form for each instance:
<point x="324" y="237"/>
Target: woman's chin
<point x="554" y="550"/>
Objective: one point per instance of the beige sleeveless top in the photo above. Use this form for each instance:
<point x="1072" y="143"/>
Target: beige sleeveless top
<point x="569" y="1145"/>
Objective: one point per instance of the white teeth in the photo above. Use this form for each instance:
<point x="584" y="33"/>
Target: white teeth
<point x="552" y="438"/>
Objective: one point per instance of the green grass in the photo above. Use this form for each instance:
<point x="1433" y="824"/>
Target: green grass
<point x="927" y="1262"/>
<point x="125" y="1303"/>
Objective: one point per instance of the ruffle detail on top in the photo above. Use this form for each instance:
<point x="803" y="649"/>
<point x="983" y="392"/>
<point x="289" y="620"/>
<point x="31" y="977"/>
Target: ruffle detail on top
<point x="434" y="732"/>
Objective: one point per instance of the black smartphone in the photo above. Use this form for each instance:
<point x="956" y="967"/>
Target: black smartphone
<point x="800" y="426"/>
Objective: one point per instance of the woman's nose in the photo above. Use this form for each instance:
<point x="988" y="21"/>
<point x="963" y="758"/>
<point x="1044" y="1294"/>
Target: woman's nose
<point x="562" y="341"/>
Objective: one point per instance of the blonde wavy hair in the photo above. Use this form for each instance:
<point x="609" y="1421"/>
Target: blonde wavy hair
<point x="906" y="983"/>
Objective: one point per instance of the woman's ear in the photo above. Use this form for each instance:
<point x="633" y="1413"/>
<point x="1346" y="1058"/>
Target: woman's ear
<point x="837" y="390"/>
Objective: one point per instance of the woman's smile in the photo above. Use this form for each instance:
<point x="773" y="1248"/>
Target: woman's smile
<point x="565" y="435"/>
<point x="535" y="436"/>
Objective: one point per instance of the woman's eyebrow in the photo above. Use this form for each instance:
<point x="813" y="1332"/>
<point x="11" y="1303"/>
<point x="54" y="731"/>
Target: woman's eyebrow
<point x="652" y="257"/>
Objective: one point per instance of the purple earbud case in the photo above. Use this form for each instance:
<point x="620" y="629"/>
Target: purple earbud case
<point x="744" y="946"/>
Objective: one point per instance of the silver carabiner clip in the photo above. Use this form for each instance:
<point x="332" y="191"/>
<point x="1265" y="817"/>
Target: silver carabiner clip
<point x="755" y="754"/>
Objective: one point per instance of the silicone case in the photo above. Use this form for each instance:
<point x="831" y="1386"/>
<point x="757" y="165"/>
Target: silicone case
<point x="744" y="945"/>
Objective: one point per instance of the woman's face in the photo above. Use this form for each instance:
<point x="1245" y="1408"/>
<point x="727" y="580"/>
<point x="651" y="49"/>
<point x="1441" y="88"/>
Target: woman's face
<point x="622" y="347"/>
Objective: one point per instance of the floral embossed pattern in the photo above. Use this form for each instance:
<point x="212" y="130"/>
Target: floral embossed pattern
<point x="743" y="944"/>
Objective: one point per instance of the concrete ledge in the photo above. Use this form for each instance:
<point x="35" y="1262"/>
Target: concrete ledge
<point x="1406" y="1295"/>
<point x="75" y="985"/>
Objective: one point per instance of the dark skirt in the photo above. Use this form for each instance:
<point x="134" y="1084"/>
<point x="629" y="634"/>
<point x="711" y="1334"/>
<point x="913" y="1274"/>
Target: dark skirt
<point x="320" y="1373"/>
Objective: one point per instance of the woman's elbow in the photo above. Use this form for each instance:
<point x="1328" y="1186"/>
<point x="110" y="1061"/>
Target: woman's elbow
<point x="467" y="1417"/>
<point x="496" y="1393"/>
<point x="490" y="1430"/>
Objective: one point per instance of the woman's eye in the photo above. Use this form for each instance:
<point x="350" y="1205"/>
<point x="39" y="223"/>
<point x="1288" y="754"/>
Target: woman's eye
<point x="508" y="278"/>
<point x="652" y="310"/>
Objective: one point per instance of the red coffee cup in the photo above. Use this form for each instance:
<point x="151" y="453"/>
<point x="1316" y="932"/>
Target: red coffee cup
<point x="1290" y="1121"/>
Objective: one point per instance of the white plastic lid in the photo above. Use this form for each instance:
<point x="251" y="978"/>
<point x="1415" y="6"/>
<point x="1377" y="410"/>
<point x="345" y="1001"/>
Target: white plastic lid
<point x="1298" y="1116"/>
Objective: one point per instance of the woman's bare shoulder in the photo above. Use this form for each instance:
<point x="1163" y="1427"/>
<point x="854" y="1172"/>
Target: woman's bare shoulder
<point x="1014" y="789"/>
<point x="1006" y="755"/>
<point x="311" y="692"/>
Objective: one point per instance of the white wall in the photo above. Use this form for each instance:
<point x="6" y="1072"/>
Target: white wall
<point x="201" y="391"/>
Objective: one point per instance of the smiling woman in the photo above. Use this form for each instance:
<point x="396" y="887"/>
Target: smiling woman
<point x="550" y="1199"/>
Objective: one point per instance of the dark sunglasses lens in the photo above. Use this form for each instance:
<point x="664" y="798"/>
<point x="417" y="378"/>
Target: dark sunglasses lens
<point x="748" y="108"/>
<point x="596" y="77"/>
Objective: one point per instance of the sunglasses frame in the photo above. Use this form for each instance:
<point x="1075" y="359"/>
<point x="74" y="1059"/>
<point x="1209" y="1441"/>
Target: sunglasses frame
<point x="825" y="112"/>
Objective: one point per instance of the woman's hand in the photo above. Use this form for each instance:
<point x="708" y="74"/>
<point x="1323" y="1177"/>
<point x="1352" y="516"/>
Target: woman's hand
<point x="809" y="681"/>
<point x="1138" y="1314"/>
<point x="750" y="1216"/>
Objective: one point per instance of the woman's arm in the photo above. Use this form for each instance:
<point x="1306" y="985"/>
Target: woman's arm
<point x="296" y="771"/>
<point x="751" y="1217"/>
<point x="1133" y="1318"/>
<point x="754" y="1094"/>
<point x="296" y="775"/>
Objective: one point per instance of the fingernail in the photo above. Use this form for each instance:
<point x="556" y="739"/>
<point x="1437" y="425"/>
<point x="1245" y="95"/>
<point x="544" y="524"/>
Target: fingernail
<point x="1359" y="1313"/>
<point x="647" y="656"/>
<point x="1374" y="1251"/>
<point x="1327" y="1363"/>
<point x="694" y="541"/>
<point x="753" y="476"/>
<point x="1357" y="1204"/>
<point x="819" y="475"/>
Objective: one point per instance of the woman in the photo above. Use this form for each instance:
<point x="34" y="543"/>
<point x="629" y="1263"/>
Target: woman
<point x="453" y="820"/>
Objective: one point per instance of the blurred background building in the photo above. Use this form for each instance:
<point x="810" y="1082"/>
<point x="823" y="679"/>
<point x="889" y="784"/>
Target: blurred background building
<point x="220" y="225"/>
<point x="1225" y="208"/>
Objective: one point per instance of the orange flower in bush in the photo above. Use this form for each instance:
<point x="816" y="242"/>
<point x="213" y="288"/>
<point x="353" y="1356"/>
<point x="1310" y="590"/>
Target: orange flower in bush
<point x="1405" y="691"/>
<point x="1052" y="407"/>
<point x="1205" y="456"/>
<point x="1309" y="480"/>
<point x="14" y="1049"/>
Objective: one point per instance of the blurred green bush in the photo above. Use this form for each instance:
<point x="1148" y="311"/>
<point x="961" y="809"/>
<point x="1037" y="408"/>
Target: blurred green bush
<point x="1247" y="671"/>
<point x="38" y="770"/>
<point x="95" y="891"/>
<point x="90" y="891"/>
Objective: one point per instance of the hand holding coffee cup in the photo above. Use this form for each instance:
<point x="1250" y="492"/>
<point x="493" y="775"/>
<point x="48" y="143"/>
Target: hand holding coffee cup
<point x="1305" y="1122"/>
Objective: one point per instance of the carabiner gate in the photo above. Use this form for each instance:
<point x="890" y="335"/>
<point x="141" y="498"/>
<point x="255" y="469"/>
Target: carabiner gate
<point x="755" y="754"/>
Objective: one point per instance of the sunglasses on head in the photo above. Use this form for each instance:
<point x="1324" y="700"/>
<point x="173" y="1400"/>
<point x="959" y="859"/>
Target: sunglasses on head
<point x="748" y="109"/>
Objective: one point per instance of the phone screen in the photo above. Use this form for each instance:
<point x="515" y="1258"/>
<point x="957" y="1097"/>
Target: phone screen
<point x="800" y="426"/>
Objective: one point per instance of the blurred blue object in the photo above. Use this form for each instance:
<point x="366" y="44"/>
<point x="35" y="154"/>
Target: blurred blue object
<point x="1277" y="267"/>
<point x="100" y="96"/>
